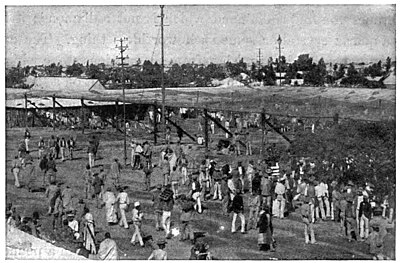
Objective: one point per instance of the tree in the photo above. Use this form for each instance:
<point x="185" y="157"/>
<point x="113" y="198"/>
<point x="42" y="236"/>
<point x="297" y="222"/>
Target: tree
<point x="388" y="64"/>
<point x="370" y="145"/>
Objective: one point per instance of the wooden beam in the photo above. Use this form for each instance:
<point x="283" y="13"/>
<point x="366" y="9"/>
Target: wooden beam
<point x="177" y="126"/>
<point x="278" y="131"/>
<point x="222" y="127"/>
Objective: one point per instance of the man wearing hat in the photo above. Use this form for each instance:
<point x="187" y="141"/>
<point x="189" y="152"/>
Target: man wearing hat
<point x="167" y="204"/>
<point x="364" y="215"/>
<point x="280" y="191"/>
<point x="160" y="253"/>
<point x="137" y="217"/>
<point x="196" y="191"/>
<point x="238" y="209"/>
<point x="123" y="201"/>
<point x="350" y="217"/>
<point x="157" y="206"/>
<point x="225" y="194"/>
<point x="379" y="227"/>
<point x="115" y="170"/>
<point x="266" y="188"/>
<point x="306" y="213"/>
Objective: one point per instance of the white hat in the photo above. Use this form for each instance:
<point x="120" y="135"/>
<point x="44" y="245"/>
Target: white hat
<point x="137" y="204"/>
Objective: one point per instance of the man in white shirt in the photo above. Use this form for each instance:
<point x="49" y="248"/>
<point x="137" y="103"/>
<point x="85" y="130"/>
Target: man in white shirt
<point x="280" y="191"/>
<point x="123" y="201"/>
<point x="321" y="191"/>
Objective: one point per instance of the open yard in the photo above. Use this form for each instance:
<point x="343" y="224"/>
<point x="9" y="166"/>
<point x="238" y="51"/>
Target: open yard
<point x="223" y="245"/>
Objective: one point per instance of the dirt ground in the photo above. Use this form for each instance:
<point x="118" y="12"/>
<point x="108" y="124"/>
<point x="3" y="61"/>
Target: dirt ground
<point x="223" y="245"/>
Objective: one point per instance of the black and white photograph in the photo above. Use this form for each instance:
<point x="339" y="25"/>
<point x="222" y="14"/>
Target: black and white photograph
<point x="162" y="131"/>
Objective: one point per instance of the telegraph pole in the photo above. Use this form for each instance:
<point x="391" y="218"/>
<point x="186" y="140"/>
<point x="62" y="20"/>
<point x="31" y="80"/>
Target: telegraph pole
<point x="279" y="59"/>
<point x="162" y="70"/>
<point x="122" y="48"/>
<point x="259" y="59"/>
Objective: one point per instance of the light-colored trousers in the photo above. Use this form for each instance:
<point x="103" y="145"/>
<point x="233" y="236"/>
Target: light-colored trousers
<point x="122" y="220"/>
<point x="166" y="222"/>
<point x="364" y="226"/>
<point x="242" y="219"/>
<point x="136" y="233"/>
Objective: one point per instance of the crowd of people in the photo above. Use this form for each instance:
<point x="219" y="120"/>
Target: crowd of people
<point x="255" y="192"/>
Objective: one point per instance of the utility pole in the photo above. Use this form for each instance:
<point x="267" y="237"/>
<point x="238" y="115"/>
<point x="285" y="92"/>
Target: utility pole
<point x="279" y="59"/>
<point x="122" y="48"/>
<point x="162" y="71"/>
<point x="259" y="59"/>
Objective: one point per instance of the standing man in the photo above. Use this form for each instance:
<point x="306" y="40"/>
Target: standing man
<point x="254" y="205"/>
<point x="157" y="207"/>
<point x="92" y="151"/>
<point x="123" y="201"/>
<point x="306" y="212"/>
<point x="52" y="146"/>
<point x="29" y="170"/>
<point x="97" y="187"/>
<point x="109" y="199"/>
<point x="88" y="177"/>
<point x="167" y="203"/>
<point x="16" y="168"/>
<point x="238" y="209"/>
<point x="364" y="215"/>
<point x="165" y="168"/>
<point x="71" y="147"/>
<point x="63" y="146"/>
<point x="280" y="191"/>
<point x="148" y="169"/>
<point x="41" y="147"/>
<point x="266" y="189"/>
<point x="133" y="153"/>
<point x="115" y="171"/>
<point x="186" y="228"/>
<point x="138" y="153"/>
<point x="147" y="153"/>
<point x="137" y="217"/>
<point x="27" y="137"/>
<point x="250" y="175"/>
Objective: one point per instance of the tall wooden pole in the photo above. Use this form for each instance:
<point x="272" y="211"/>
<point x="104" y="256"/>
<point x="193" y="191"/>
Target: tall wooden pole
<point x="116" y="116"/>
<point x="54" y="112"/>
<point x="26" y="110"/>
<point x="263" y="132"/>
<point x="206" y="128"/>
<point x="162" y="70"/>
<point x="155" y="110"/>
<point x="82" y="116"/>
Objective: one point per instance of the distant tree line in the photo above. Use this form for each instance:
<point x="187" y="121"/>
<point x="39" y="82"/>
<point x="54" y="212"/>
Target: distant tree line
<point x="148" y="74"/>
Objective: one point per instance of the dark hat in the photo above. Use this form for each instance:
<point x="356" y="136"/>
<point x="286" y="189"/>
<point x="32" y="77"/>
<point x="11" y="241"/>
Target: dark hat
<point x="161" y="242"/>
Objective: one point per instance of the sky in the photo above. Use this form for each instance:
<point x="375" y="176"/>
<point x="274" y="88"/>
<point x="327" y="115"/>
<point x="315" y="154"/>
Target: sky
<point x="199" y="33"/>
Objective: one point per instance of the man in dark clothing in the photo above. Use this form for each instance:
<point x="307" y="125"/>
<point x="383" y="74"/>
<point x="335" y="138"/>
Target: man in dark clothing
<point x="157" y="206"/>
<point x="187" y="206"/>
<point x="238" y="209"/>
<point x="43" y="167"/>
<point x="364" y="216"/>
<point x="97" y="187"/>
<point x="167" y="204"/>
